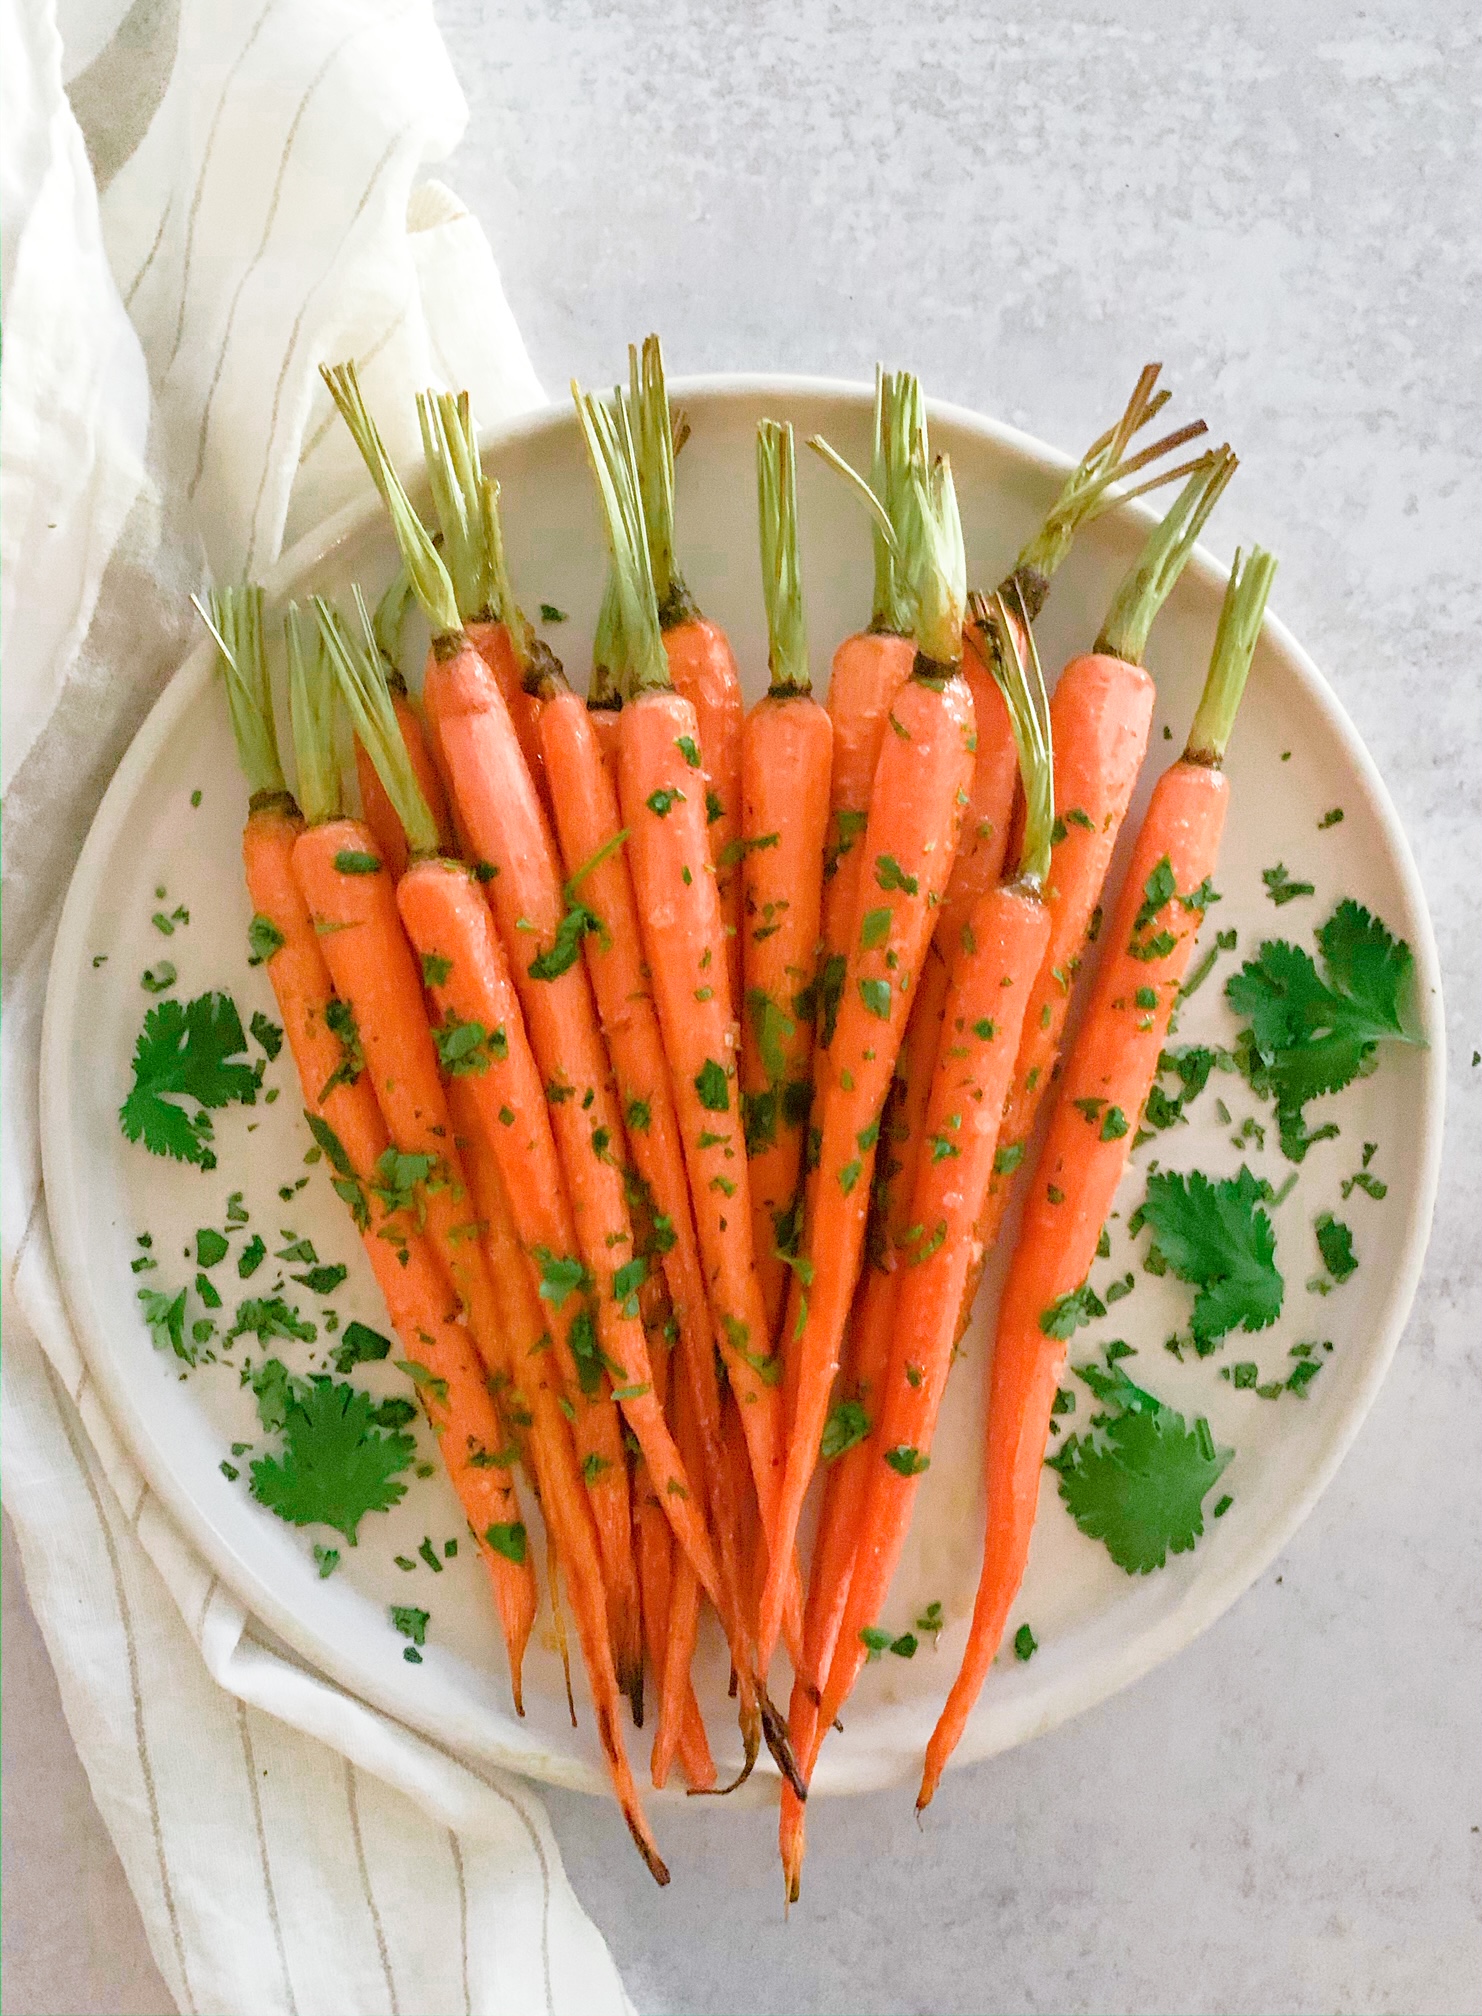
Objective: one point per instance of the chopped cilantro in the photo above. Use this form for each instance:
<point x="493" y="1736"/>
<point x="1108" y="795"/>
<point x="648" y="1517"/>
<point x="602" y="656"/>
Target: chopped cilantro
<point x="710" y="1084"/>
<point x="560" y="1275"/>
<point x="1082" y="1305"/>
<point x="549" y="613"/>
<point x="875" y="995"/>
<point x="561" y="954"/>
<point x="847" y="1425"/>
<point x="410" y="1623"/>
<point x="1215" y="1236"/>
<point x="165" y="1315"/>
<point x="157" y="978"/>
<point x="263" y="939"/>
<point x="268" y="1033"/>
<point x="1025" y="1643"/>
<point x="211" y="1246"/>
<point x="906" y="1461"/>
<point x="889" y="874"/>
<point x="508" y="1540"/>
<point x="875" y="929"/>
<point x="1007" y="1159"/>
<point x="686" y="746"/>
<point x="187" y="1051"/>
<point x="1280" y="886"/>
<point x="435" y="969"/>
<point x="271" y="1316"/>
<point x="360" y="1345"/>
<point x="327" y="1559"/>
<point x="662" y="802"/>
<point x="251" y="1256"/>
<point x="466" y="1048"/>
<point x="349" y="861"/>
<point x="322" y="1280"/>
<point x="1332" y="818"/>
<point x="1335" y="1243"/>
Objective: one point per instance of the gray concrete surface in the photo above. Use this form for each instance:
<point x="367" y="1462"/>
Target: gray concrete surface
<point x="1023" y="203"/>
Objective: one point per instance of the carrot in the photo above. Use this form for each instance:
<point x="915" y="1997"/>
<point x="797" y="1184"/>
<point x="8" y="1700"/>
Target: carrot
<point x="450" y="924"/>
<point x="681" y="1726"/>
<point x="1103" y="1089"/>
<point x="868" y="671"/>
<point x="702" y="666"/>
<point x="343" y="1115"/>
<point x="584" y="793"/>
<point x="991" y="978"/>
<point x="915" y="816"/>
<point x="1089" y="490"/>
<point x="652" y="1539"/>
<point x="467" y="506"/>
<point x="684" y="946"/>
<point x="476" y="743"/>
<point x="1102" y="712"/>
<point x="786" y="755"/>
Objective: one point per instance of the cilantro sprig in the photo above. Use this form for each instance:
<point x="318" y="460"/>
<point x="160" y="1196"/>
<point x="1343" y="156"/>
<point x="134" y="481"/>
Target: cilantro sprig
<point x="335" y="1464"/>
<point x="188" y="1062"/>
<point x="1216" y="1236"/>
<point x="1137" y="1478"/>
<point x="1309" y="1033"/>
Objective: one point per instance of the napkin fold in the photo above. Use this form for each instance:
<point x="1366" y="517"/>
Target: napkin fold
<point x="162" y="423"/>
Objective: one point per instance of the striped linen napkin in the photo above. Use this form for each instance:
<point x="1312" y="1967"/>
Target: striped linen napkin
<point x="161" y="419"/>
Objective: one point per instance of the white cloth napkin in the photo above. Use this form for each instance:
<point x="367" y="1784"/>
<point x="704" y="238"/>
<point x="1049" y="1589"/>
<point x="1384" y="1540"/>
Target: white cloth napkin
<point x="160" y="414"/>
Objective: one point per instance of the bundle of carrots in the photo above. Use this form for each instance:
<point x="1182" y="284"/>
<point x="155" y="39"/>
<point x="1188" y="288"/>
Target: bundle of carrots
<point x="677" y="1061"/>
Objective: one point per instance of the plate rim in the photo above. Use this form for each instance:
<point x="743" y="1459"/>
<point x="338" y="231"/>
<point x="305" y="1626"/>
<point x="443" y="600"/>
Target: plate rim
<point x="1207" y="1599"/>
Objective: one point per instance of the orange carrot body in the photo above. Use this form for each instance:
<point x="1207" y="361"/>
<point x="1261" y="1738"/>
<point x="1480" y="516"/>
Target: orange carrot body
<point x="377" y="810"/>
<point x="585" y="795"/>
<point x="683" y="938"/>
<point x="494" y="645"/>
<point x="985" y="1014"/>
<point x="1101" y="713"/>
<point x="1111" y="1066"/>
<point x="922" y="778"/>
<point x="681" y="1727"/>
<point x="450" y="924"/>
<point x="415" y="1294"/>
<point x="353" y="906"/>
<point x="703" y="669"/>
<point x="787" y="753"/>
<point x="868" y="671"/>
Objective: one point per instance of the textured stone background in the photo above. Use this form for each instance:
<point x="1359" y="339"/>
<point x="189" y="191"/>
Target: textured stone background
<point x="1023" y="202"/>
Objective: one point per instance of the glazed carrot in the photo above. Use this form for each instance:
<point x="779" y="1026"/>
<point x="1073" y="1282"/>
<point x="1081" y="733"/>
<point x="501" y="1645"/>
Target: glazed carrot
<point x="786" y="754"/>
<point x="1105" y="1084"/>
<point x="920" y="784"/>
<point x="342" y="1112"/>
<point x="702" y="666"/>
<point x="681" y="1726"/>
<point x="1102" y="711"/>
<point x="1092" y="488"/>
<point x="467" y="506"/>
<point x="652" y="1538"/>
<point x="991" y="979"/>
<point x="868" y="671"/>
<point x="584" y="793"/>
<point x="683" y="942"/>
<point x="496" y="805"/>
<point x="469" y="980"/>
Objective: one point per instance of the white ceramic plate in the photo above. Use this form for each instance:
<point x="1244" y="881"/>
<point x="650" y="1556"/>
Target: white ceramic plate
<point x="1097" y="1629"/>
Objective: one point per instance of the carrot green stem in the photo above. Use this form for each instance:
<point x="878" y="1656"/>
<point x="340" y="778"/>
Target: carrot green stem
<point x="925" y="537"/>
<point x="611" y="452"/>
<point x="429" y="578"/>
<point x="390" y="619"/>
<point x="358" y="672"/>
<point x="311" y="708"/>
<point x="1148" y="584"/>
<point x="1023" y="689"/>
<point x="899" y="440"/>
<point x="1089" y="489"/>
<point x="454" y="476"/>
<point x="782" y="578"/>
<point x="653" y="430"/>
<point x="234" y="618"/>
<point x="608" y="652"/>
<point x="1241" y="616"/>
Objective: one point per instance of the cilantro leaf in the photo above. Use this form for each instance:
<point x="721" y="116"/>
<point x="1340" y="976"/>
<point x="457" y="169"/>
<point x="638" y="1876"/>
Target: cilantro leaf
<point x="165" y="1315"/>
<point x="268" y="1033"/>
<point x="410" y="1622"/>
<point x="710" y="1084"/>
<point x="335" y="1465"/>
<point x="1065" y="1317"/>
<point x="360" y="1345"/>
<point x="1308" y="1035"/>
<point x="1215" y="1236"/>
<point x="186" y="1051"/>
<point x="1138" y="1483"/>
<point x="467" y="1048"/>
<point x="271" y="1316"/>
